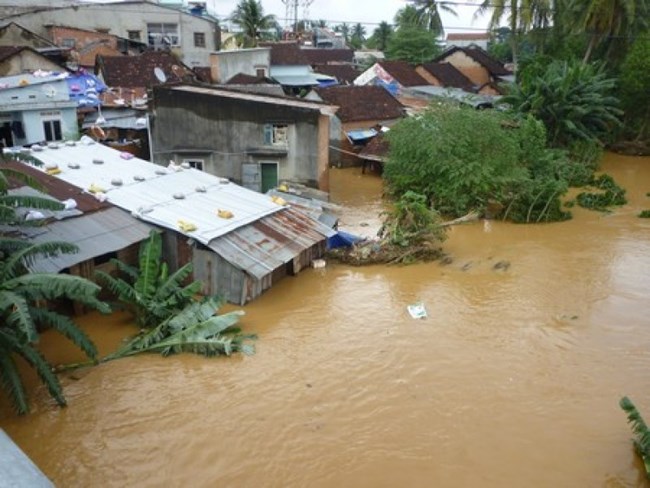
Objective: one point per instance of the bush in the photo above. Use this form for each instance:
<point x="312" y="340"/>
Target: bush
<point x="466" y="159"/>
<point x="610" y="194"/>
<point x="645" y="214"/>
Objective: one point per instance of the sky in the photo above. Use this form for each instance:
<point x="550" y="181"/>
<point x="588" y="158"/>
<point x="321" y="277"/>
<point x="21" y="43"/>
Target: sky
<point x="367" y="12"/>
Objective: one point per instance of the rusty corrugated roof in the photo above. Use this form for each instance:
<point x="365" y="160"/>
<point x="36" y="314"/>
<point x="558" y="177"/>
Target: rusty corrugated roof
<point x="270" y="242"/>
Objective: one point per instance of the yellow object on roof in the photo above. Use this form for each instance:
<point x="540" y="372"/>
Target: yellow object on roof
<point x="186" y="226"/>
<point x="225" y="214"/>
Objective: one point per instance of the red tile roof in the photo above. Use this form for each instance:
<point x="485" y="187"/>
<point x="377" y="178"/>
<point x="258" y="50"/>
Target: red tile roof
<point x="449" y="76"/>
<point x="344" y="73"/>
<point x="286" y="53"/>
<point x="138" y="71"/>
<point x="359" y="103"/>
<point x="494" y="66"/>
<point x="403" y="73"/>
<point x="328" y="56"/>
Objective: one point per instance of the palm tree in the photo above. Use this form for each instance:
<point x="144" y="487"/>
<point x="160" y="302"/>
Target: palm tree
<point x="358" y="36"/>
<point x="428" y="14"/>
<point x="382" y="35"/>
<point x="344" y="30"/>
<point x="407" y="17"/>
<point x="249" y="17"/>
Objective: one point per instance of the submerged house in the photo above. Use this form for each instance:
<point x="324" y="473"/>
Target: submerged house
<point x="253" y="139"/>
<point x="482" y="69"/>
<point x="241" y="242"/>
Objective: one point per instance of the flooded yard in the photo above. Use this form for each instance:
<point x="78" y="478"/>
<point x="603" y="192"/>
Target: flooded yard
<point x="513" y="379"/>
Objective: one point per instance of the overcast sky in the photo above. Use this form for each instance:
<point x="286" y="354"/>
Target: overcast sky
<point x="353" y="11"/>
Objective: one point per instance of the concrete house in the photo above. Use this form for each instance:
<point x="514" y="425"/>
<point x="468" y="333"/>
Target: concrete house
<point x="477" y="65"/>
<point x="241" y="242"/>
<point x="191" y="34"/>
<point x="15" y="60"/>
<point x="13" y="34"/>
<point x="36" y="108"/>
<point x="253" y="139"/>
<point x="291" y="68"/>
<point x="362" y="109"/>
<point x="394" y="76"/>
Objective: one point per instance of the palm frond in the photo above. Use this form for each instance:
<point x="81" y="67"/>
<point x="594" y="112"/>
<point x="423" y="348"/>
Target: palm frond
<point x="44" y="371"/>
<point x="11" y="381"/>
<point x="149" y="260"/>
<point x="28" y="201"/>
<point x="65" y="326"/>
<point x="17" y="315"/>
<point x="25" y="257"/>
<point x="130" y="271"/>
<point x="640" y="430"/>
<point x="120" y="288"/>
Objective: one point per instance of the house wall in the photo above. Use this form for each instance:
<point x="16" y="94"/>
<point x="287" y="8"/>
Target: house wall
<point x="15" y="36"/>
<point x="488" y="90"/>
<point x="470" y="68"/>
<point x="226" y="64"/>
<point x="27" y="61"/>
<point x="432" y="80"/>
<point x="482" y="43"/>
<point x="121" y="18"/>
<point x="82" y="37"/>
<point x="227" y="133"/>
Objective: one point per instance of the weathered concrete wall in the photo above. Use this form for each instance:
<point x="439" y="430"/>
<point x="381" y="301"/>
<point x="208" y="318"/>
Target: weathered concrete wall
<point x="27" y="61"/>
<point x="15" y="36"/>
<point x="432" y="80"/>
<point x="470" y="68"/>
<point x="226" y="64"/>
<point x="120" y="18"/>
<point x="228" y="132"/>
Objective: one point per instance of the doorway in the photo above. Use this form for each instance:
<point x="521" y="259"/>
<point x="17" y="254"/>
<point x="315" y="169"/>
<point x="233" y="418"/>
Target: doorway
<point x="269" y="171"/>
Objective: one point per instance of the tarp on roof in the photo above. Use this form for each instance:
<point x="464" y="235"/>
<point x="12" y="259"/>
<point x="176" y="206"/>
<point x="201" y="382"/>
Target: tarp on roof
<point x="269" y="243"/>
<point x="360" y="136"/>
<point x="84" y="88"/>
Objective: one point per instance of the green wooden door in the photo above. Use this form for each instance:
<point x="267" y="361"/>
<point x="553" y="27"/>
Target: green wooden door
<point x="269" y="176"/>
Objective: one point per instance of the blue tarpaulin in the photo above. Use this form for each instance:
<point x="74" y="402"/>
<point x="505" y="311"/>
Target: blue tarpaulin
<point x="361" y="136"/>
<point x="342" y="239"/>
<point x="84" y="88"/>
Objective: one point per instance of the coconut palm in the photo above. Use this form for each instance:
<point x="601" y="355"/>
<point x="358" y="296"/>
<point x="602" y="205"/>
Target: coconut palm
<point x="428" y="14"/>
<point x="344" y="30"/>
<point x="382" y="35"/>
<point x="249" y="17"/>
<point x="407" y="17"/>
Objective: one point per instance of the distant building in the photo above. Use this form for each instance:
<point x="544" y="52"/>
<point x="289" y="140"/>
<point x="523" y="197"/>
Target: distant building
<point x="15" y="60"/>
<point x="445" y="75"/>
<point x="191" y="34"/>
<point x="394" y="76"/>
<point x="225" y="65"/>
<point x="466" y="39"/>
<point x="475" y="64"/>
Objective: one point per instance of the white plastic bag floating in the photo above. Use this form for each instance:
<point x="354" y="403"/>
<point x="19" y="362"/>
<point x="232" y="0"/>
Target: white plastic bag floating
<point x="417" y="311"/>
<point x="34" y="215"/>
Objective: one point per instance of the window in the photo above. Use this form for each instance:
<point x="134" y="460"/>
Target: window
<point x="276" y="134"/>
<point x="67" y="42"/>
<point x="160" y="35"/>
<point x="195" y="163"/>
<point x="260" y="72"/>
<point x="52" y="129"/>
<point x="199" y="39"/>
<point x="134" y="35"/>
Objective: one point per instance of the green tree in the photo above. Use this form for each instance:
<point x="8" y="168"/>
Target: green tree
<point x="428" y="14"/>
<point x="407" y="17"/>
<point x="635" y="87"/>
<point x="26" y="300"/>
<point x="344" y="30"/>
<point x="574" y="101"/>
<point x="151" y="293"/>
<point x="249" y="17"/>
<point x="358" y="36"/>
<point x="381" y="35"/>
<point x="412" y="44"/>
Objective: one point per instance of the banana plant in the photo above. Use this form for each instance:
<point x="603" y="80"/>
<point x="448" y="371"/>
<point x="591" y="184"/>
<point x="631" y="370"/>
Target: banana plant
<point x="640" y="430"/>
<point x="151" y="293"/>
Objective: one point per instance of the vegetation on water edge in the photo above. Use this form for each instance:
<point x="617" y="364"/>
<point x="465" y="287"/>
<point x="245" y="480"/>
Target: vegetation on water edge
<point x="640" y="430"/>
<point x="609" y="194"/>
<point x="645" y="214"/>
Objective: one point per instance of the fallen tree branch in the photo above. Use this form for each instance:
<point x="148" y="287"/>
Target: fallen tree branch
<point x="470" y="217"/>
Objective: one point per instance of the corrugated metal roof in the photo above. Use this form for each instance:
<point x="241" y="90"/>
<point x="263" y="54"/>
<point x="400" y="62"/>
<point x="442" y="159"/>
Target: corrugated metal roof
<point x="95" y="235"/>
<point x="267" y="244"/>
<point x="153" y="199"/>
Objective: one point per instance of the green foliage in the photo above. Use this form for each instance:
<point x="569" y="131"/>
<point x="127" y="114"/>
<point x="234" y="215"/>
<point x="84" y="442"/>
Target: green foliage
<point x="412" y="44"/>
<point x="381" y="36"/>
<point x="501" y="51"/>
<point x="609" y="194"/>
<point x="412" y="222"/>
<point x="427" y="14"/>
<point x="196" y="329"/>
<point x="644" y="214"/>
<point x="573" y="101"/>
<point x="149" y="291"/>
<point x="465" y="160"/>
<point x="640" y="430"/>
<point x="635" y="87"/>
<point x="255" y="26"/>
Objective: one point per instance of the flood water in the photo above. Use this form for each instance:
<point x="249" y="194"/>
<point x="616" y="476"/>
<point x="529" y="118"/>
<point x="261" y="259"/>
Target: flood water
<point x="512" y="381"/>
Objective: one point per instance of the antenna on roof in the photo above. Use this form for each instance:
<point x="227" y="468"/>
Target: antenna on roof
<point x="159" y="74"/>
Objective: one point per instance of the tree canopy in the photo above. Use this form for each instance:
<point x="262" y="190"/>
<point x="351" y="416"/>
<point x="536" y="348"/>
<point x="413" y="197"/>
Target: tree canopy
<point x="412" y="44"/>
<point x="254" y="24"/>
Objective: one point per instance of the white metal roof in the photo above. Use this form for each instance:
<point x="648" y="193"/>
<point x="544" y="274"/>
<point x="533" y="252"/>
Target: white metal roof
<point x="155" y="199"/>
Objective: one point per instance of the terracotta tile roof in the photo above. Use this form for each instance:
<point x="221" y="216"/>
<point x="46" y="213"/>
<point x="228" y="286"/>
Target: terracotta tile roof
<point x="468" y="36"/>
<point x="328" y="56"/>
<point x="403" y="72"/>
<point x="344" y="73"/>
<point x="377" y="149"/>
<point x="449" y="76"/>
<point x="495" y="67"/>
<point x="138" y="71"/>
<point x="9" y="51"/>
<point x="358" y="103"/>
<point x="286" y="54"/>
<point x="243" y="79"/>
<point x="203" y="73"/>
<point x="56" y="187"/>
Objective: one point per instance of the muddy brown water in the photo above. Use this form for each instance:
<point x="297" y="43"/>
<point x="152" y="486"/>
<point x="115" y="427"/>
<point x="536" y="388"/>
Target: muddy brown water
<point x="513" y="380"/>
